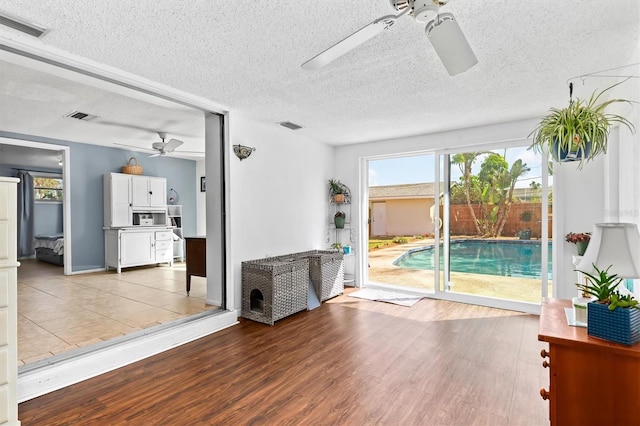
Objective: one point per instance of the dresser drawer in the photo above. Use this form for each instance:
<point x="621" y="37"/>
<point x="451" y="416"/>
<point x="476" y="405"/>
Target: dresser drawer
<point x="164" y="244"/>
<point x="164" y="235"/>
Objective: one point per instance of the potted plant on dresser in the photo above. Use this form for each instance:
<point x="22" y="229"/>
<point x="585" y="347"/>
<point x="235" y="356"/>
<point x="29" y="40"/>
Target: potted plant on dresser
<point x="612" y="315"/>
<point x="580" y="131"/>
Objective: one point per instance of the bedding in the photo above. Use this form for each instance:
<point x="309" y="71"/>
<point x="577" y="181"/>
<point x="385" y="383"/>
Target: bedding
<point x="54" y="242"/>
<point x="50" y="248"/>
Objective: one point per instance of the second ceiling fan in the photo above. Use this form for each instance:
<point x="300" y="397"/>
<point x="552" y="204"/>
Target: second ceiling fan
<point x="442" y="29"/>
<point x="163" y="147"/>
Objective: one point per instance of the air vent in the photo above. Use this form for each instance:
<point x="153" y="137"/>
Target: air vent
<point x="22" y="25"/>
<point x="80" y="116"/>
<point x="290" y="125"/>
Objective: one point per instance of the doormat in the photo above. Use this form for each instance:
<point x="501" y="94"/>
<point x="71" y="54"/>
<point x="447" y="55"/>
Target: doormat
<point x="386" y="296"/>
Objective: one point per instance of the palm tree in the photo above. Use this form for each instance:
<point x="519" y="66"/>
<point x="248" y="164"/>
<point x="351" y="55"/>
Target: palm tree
<point x="465" y="163"/>
<point x="517" y="170"/>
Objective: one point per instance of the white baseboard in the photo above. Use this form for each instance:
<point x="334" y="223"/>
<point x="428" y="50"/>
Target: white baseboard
<point x="63" y="370"/>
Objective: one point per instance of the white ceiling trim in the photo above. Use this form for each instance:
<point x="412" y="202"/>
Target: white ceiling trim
<point x="99" y="75"/>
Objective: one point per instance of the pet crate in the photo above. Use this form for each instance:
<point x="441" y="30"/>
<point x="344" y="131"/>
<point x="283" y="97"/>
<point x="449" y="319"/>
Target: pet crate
<point x="326" y="270"/>
<point x="273" y="288"/>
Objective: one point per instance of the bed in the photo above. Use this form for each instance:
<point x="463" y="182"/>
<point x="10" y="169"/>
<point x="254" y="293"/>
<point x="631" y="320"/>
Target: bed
<point x="50" y="248"/>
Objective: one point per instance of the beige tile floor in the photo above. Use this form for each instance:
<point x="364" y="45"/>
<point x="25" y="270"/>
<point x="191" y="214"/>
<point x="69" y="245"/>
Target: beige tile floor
<point x="58" y="313"/>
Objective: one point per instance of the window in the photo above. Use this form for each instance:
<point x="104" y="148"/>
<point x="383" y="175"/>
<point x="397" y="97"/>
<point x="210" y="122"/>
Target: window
<point x="47" y="188"/>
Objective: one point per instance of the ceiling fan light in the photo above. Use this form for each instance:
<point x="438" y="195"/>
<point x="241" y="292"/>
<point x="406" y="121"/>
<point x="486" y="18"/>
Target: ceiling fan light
<point x="450" y="44"/>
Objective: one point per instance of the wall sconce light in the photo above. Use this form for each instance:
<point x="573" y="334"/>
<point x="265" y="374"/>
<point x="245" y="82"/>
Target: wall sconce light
<point x="242" y="152"/>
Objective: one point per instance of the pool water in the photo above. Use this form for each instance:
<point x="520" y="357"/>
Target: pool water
<point x="508" y="259"/>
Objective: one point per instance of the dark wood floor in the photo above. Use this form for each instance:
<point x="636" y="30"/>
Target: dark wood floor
<point x="349" y="362"/>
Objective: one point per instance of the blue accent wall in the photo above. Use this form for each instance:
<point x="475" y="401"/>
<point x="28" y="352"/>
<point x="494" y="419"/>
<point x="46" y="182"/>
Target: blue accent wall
<point x="88" y="164"/>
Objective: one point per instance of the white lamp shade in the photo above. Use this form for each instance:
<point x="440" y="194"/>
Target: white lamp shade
<point x="450" y="44"/>
<point x="616" y="245"/>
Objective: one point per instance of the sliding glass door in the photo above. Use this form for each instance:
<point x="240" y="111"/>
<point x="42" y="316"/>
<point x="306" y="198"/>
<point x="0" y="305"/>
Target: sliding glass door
<point x="498" y="215"/>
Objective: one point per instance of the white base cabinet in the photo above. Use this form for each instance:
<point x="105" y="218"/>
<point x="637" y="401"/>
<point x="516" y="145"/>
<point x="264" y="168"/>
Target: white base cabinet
<point x="8" y="303"/>
<point x="136" y="247"/>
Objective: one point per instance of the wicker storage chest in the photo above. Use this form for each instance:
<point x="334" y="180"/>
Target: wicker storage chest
<point x="326" y="269"/>
<point x="273" y="288"/>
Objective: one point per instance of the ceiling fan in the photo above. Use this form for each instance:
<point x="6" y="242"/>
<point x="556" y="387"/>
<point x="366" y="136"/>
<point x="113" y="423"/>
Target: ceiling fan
<point x="162" y="147"/>
<point x="442" y="30"/>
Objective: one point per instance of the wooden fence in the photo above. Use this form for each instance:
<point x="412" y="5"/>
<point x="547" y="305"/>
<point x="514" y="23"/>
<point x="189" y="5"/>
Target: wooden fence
<point x="461" y="222"/>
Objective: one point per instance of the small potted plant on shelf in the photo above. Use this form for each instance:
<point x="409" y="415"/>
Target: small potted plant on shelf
<point x="612" y="315"/>
<point x="338" y="191"/>
<point x="339" y="219"/>
<point x="336" y="246"/>
<point x="580" y="239"/>
<point x="580" y="131"/>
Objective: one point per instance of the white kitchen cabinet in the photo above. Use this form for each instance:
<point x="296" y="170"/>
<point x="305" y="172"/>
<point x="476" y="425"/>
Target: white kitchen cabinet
<point x="118" y="209"/>
<point x="148" y="191"/>
<point x="125" y="194"/>
<point x="8" y="303"/>
<point x="127" y="247"/>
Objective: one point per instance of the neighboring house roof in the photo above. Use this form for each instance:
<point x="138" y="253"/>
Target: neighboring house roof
<point x="412" y="190"/>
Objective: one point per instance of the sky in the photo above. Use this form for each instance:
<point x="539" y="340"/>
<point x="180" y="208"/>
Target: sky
<point x="420" y="168"/>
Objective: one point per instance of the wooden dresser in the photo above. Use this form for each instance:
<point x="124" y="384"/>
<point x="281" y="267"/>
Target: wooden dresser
<point x="8" y="303"/>
<point x="591" y="381"/>
<point x="196" y="256"/>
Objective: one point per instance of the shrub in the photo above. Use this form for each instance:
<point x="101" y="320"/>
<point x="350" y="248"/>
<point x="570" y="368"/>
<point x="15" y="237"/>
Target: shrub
<point x="400" y="240"/>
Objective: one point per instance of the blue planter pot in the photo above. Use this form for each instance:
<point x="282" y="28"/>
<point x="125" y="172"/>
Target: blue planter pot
<point x="565" y="155"/>
<point x="622" y="325"/>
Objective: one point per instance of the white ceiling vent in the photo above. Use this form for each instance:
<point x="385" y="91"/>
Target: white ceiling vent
<point x="80" y="116"/>
<point x="22" y="25"/>
<point x="290" y="125"/>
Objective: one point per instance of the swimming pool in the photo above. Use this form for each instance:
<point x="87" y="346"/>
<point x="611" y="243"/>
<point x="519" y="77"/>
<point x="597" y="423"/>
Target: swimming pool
<point x="519" y="258"/>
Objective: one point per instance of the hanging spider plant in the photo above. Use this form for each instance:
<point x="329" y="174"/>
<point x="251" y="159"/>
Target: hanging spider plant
<point x="579" y="132"/>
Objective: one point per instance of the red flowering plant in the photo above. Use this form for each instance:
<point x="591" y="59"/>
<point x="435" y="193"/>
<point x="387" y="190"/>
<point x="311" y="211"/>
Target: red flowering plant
<point x="575" y="237"/>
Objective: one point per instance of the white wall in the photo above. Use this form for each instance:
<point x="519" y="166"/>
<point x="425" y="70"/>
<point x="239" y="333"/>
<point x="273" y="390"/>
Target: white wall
<point x="606" y="190"/>
<point x="278" y="196"/>
<point x="578" y="203"/>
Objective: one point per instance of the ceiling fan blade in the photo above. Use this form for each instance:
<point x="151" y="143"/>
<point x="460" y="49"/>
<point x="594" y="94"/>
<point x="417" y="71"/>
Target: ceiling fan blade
<point x="354" y="40"/>
<point x="155" y="155"/>
<point x="172" y="144"/>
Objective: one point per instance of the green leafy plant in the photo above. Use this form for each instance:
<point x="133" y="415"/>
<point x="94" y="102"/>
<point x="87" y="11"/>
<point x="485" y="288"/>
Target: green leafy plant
<point x="600" y="286"/>
<point x="401" y="240"/>
<point x="336" y="246"/>
<point x="620" y="301"/>
<point x="336" y="187"/>
<point x="603" y="286"/>
<point x="582" y="127"/>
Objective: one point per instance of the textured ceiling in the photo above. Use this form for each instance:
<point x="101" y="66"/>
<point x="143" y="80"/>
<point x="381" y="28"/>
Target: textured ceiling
<point x="247" y="56"/>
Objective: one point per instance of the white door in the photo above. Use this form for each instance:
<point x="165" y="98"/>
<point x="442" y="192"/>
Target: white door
<point x="140" y="190"/>
<point x="157" y="192"/>
<point x="121" y="200"/>
<point x="137" y="248"/>
<point x="379" y="219"/>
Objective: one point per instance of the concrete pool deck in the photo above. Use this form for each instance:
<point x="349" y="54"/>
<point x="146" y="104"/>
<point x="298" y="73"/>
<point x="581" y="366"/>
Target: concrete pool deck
<point x="382" y="270"/>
